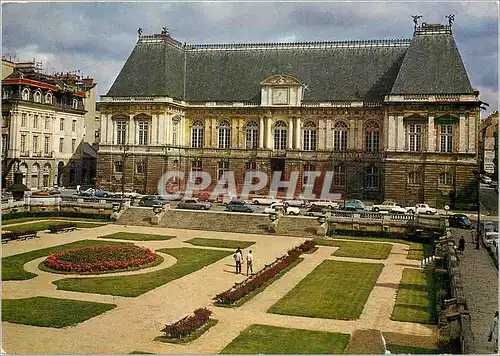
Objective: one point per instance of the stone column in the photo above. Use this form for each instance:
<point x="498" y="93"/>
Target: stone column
<point x="131" y="131"/>
<point x="290" y="135"/>
<point x="400" y="134"/>
<point x="214" y="133"/>
<point x="298" y="141"/>
<point x="161" y="129"/>
<point x="472" y="133"/>
<point x="269" y="135"/>
<point x="261" y="132"/>
<point x="431" y="135"/>
<point x="153" y="134"/>
<point x="391" y="134"/>
<point x="320" y="139"/>
<point x="102" y="129"/>
<point x="462" y="134"/>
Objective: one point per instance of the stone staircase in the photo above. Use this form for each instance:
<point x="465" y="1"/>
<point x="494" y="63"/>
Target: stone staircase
<point x="136" y="216"/>
<point x="216" y="221"/>
<point x="297" y="226"/>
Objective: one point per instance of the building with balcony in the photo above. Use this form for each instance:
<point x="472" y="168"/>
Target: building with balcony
<point x="391" y="119"/>
<point x="43" y="125"/>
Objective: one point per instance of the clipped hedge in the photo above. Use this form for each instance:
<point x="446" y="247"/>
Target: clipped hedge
<point x="188" y="325"/>
<point x="59" y="227"/>
<point x="14" y="235"/>
<point x="55" y="214"/>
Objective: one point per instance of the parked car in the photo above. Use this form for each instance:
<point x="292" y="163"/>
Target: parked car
<point x="325" y="203"/>
<point x="494" y="184"/>
<point x="128" y="194"/>
<point x="101" y="193"/>
<point x="194" y="204"/>
<point x="487" y="225"/>
<point x="460" y="221"/>
<point x="297" y="202"/>
<point x="266" y="200"/>
<point x="316" y="211"/>
<point x="494" y="250"/>
<point x="275" y="208"/>
<point x="486" y="179"/>
<point x="239" y="206"/>
<point x="150" y="200"/>
<point x="386" y="206"/>
<point x="421" y="209"/>
<point x="353" y="205"/>
<point x="489" y="237"/>
<point x="54" y="191"/>
<point x="89" y="192"/>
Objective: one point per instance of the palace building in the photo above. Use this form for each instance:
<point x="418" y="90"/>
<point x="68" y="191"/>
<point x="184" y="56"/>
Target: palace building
<point x="392" y="119"/>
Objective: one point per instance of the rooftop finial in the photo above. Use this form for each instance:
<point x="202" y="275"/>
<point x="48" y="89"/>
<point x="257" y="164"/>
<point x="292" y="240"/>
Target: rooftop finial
<point x="415" y="20"/>
<point x="164" y="31"/>
<point x="450" y="18"/>
<point x="139" y="32"/>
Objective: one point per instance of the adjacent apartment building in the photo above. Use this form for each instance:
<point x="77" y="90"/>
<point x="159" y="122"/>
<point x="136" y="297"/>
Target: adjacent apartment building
<point x="44" y="126"/>
<point x="392" y="119"/>
<point x="489" y="143"/>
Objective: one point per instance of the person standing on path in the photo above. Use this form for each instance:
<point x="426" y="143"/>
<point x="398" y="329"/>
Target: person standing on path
<point x="238" y="258"/>
<point x="249" y="262"/>
<point x="493" y="336"/>
<point x="78" y="189"/>
<point x="461" y="245"/>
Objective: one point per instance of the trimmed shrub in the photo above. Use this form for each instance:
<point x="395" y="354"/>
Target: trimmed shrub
<point x="189" y="324"/>
<point x="55" y="214"/>
<point x="61" y="226"/>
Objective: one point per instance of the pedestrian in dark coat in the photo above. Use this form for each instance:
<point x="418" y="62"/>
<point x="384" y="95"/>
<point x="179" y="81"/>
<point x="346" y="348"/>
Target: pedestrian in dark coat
<point x="461" y="245"/>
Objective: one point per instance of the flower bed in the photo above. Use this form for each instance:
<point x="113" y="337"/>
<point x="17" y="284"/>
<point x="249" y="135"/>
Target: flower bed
<point x="100" y="258"/>
<point x="239" y="290"/>
<point x="188" y="325"/>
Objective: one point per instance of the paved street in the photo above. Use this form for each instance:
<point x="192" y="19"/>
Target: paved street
<point x="481" y="288"/>
<point x="489" y="200"/>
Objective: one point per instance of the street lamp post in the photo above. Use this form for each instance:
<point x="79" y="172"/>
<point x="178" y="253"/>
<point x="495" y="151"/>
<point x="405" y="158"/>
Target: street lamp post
<point x="478" y="207"/>
<point x="124" y="148"/>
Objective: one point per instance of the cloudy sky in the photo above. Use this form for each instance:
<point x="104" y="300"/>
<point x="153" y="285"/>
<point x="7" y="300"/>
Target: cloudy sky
<point x="97" y="38"/>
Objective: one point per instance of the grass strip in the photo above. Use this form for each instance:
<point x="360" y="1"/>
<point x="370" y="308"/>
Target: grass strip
<point x="40" y="226"/>
<point x="12" y="266"/>
<point x="413" y="303"/>
<point x="189" y="260"/>
<point x="253" y="293"/>
<point x="50" y="312"/>
<point x="220" y="243"/>
<point x="334" y="290"/>
<point x="191" y="337"/>
<point x="265" y="339"/>
<point x="358" y="249"/>
<point x="136" y="237"/>
<point x="22" y="220"/>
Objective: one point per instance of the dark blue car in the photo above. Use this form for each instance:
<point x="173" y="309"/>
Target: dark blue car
<point x="240" y="206"/>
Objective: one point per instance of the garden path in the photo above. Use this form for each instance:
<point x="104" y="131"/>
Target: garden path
<point x="135" y="322"/>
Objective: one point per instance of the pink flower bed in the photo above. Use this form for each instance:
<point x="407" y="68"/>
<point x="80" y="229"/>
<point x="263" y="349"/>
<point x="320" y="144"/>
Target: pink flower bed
<point x="186" y="326"/>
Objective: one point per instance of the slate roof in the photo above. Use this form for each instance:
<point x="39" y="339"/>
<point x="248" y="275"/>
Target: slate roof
<point x="332" y="71"/>
<point x="432" y="65"/>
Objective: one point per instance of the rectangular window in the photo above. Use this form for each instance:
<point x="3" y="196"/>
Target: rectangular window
<point x="46" y="144"/>
<point x="61" y="124"/>
<point x="140" y="167"/>
<point x="24" y="118"/>
<point x="5" y="120"/>
<point x="224" y="137"/>
<point x="339" y="176"/>
<point x="23" y="143"/>
<point x="414" y="177"/>
<point x="223" y="166"/>
<point x="446" y="138"/>
<point x="251" y="166"/>
<point x="252" y="138"/>
<point x="175" y="132"/>
<point x="143" y="133"/>
<point x="372" y="141"/>
<point x="340" y="140"/>
<point x="121" y="129"/>
<point x="280" y="138"/>
<point x="415" y="137"/>
<point x="197" y="137"/>
<point x="35" y="144"/>
<point x="196" y="165"/>
<point x="61" y="144"/>
<point x="371" y="177"/>
<point x="35" y="121"/>
<point x="118" y="167"/>
<point x="47" y="123"/>
<point x="73" y="145"/>
<point x="309" y="142"/>
<point x="73" y="126"/>
<point x="4" y="144"/>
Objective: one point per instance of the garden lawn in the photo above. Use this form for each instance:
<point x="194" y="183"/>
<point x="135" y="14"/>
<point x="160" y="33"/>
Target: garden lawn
<point x="50" y="312"/>
<point x="12" y="266"/>
<point x="264" y="339"/>
<point x="413" y="303"/>
<point x="358" y="249"/>
<point x="334" y="290"/>
<point x="189" y="260"/>
<point x="40" y="226"/>
<point x="51" y="218"/>
<point x="198" y="241"/>
<point x="136" y="237"/>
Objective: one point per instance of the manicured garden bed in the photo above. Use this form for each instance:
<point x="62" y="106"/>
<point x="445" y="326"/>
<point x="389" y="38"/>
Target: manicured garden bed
<point x="188" y="329"/>
<point x="40" y="226"/>
<point x="136" y="237"/>
<point x="12" y="266"/>
<point x="50" y="312"/>
<point x="414" y="301"/>
<point x="100" y="259"/>
<point x="198" y="241"/>
<point x="358" y="249"/>
<point x="189" y="260"/>
<point x="264" y="339"/>
<point x="334" y="289"/>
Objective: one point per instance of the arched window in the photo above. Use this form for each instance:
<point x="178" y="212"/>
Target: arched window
<point x="340" y="136"/>
<point x="446" y="178"/>
<point x="25" y="94"/>
<point x="75" y="104"/>
<point x="371" y="177"/>
<point x="46" y="175"/>
<point x="6" y="93"/>
<point x="197" y="134"/>
<point x="24" y="170"/>
<point x="372" y="137"/>
<point x="37" y="97"/>
<point x="280" y="133"/>
<point x="34" y="175"/>
<point x="414" y="177"/>
<point x="224" y="134"/>
<point x="309" y="136"/>
<point x="48" y="98"/>
<point x="252" y="135"/>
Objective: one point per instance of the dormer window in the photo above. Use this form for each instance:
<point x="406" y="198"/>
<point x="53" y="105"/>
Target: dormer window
<point x="48" y="98"/>
<point x="6" y="93"/>
<point x="75" y="104"/>
<point x="25" y="95"/>
<point x="37" y="97"/>
<point x="282" y="90"/>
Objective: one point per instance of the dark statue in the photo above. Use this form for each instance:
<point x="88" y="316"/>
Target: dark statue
<point x="450" y="18"/>
<point x="164" y="31"/>
<point x="415" y="19"/>
<point x="139" y="31"/>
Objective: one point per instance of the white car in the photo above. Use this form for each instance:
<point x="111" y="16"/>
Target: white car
<point x="297" y="202"/>
<point x="488" y="238"/>
<point x="327" y="203"/>
<point x="486" y="179"/>
<point x="265" y="200"/>
<point x="421" y="209"/>
<point x="387" y="206"/>
<point x="275" y="208"/>
<point x="128" y="194"/>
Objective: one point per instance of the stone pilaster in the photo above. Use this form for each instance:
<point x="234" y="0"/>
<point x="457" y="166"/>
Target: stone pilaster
<point x="261" y="132"/>
<point x="431" y="136"/>
<point x="462" y="134"/>
<point x="400" y="133"/>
